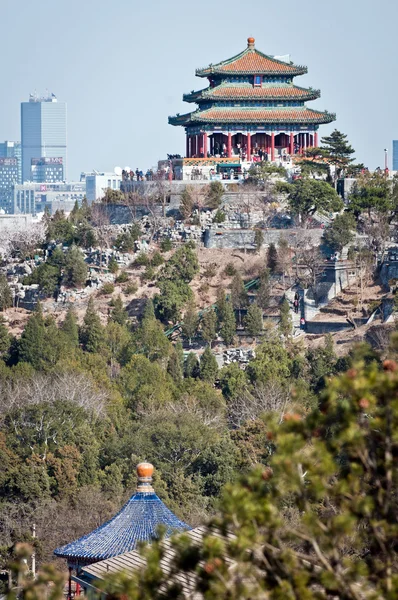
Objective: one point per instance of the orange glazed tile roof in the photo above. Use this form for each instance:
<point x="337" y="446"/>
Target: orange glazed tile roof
<point x="252" y="61"/>
<point x="283" y="92"/>
<point x="260" y="115"/>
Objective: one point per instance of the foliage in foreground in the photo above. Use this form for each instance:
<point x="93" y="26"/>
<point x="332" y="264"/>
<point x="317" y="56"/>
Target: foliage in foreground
<point x="319" y="522"/>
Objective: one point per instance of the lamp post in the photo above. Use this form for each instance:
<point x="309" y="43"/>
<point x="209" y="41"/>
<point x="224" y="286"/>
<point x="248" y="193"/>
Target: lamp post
<point x="386" y="160"/>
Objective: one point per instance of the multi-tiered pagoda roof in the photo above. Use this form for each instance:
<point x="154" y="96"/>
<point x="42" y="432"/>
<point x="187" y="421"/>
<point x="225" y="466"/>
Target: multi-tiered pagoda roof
<point x="138" y="521"/>
<point x="251" y="94"/>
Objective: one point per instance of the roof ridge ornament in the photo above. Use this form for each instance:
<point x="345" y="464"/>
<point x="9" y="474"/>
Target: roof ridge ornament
<point x="251" y="43"/>
<point x="144" y="474"/>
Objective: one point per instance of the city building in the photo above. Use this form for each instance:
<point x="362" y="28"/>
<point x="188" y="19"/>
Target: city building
<point x="37" y="197"/>
<point x="47" y="170"/>
<point x="97" y="183"/>
<point x="395" y="155"/>
<point x="12" y="150"/>
<point x="251" y="110"/>
<point x="43" y="132"/>
<point x="138" y="521"/>
<point x="9" y="173"/>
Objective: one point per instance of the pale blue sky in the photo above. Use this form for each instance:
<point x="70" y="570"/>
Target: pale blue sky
<point x="122" y="67"/>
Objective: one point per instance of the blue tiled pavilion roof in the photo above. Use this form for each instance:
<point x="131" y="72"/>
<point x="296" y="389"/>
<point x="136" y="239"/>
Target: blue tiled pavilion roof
<point x="137" y="521"/>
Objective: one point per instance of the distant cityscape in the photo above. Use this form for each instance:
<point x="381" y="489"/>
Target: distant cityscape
<point x="33" y="171"/>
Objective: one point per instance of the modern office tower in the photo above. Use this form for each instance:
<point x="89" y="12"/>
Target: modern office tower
<point x="47" y="170"/>
<point x="33" y="198"/>
<point x="43" y="132"/>
<point x="395" y="155"/>
<point x="12" y="150"/>
<point x="9" y="170"/>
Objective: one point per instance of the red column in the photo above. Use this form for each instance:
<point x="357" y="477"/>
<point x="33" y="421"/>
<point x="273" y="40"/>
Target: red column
<point x="193" y="147"/>
<point x="229" y="144"/>
<point x="249" y="147"/>
<point x="187" y="148"/>
<point x="316" y="139"/>
<point x="272" y="146"/>
<point x="205" y="144"/>
<point x="291" y="144"/>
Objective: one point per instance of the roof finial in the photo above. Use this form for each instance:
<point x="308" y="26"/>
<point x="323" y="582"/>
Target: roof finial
<point x="144" y="474"/>
<point x="250" y="42"/>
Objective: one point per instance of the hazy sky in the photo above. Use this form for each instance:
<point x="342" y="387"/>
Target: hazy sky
<point x="122" y="67"/>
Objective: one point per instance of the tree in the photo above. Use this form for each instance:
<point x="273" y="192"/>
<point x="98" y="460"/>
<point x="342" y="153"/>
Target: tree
<point x="119" y="313"/>
<point x="214" y="195"/>
<point x="284" y="260"/>
<point x="186" y="203"/>
<point x="258" y="239"/>
<point x="70" y="327"/>
<point x="174" y="295"/>
<point x="5" y="293"/>
<point x="372" y="192"/>
<point x="264" y="290"/>
<point x="190" y="323"/>
<point x="337" y="151"/>
<point x="191" y="368"/>
<point x="220" y="306"/>
<point x="5" y="339"/>
<point x="209" y="326"/>
<point x="285" y="323"/>
<point x="175" y="365"/>
<point x="92" y="331"/>
<point x="239" y="296"/>
<point x="254" y="320"/>
<point x="182" y="265"/>
<point x="262" y="173"/>
<point x="272" y="258"/>
<point x="149" y="339"/>
<point x="113" y="267"/>
<point x="341" y="232"/>
<point x="308" y="196"/>
<point x="228" y="327"/>
<point x="208" y="366"/>
<point x="75" y="273"/>
<point x="46" y="276"/>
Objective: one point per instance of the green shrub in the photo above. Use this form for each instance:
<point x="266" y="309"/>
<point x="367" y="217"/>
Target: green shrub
<point x="157" y="259"/>
<point x="113" y="267"/>
<point x="166" y="245"/>
<point x="122" y="278"/>
<point x="219" y="217"/>
<point x="148" y="275"/>
<point x="142" y="260"/>
<point x="107" y="288"/>
<point x="230" y="270"/>
<point x="132" y="288"/>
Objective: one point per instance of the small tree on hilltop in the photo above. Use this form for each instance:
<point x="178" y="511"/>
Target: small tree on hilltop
<point x="75" y="272"/>
<point x="239" y="296"/>
<point x="254" y="320"/>
<point x="285" y="323"/>
<point x="92" y="331"/>
<point x="208" y="366"/>
<point x="228" y="328"/>
<point x="338" y="152"/>
<point x="272" y="258"/>
<point x="308" y="196"/>
<point x="5" y="293"/>
<point x="190" y="323"/>
<point x="341" y="232"/>
<point x="258" y="239"/>
<point x="209" y="326"/>
<point x="70" y="327"/>
<point x="214" y="195"/>
<point x="118" y="314"/>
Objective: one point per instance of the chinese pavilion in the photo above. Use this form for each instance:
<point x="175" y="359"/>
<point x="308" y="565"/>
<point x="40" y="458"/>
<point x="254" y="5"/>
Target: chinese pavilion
<point x="251" y="108"/>
<point x="138" y="521"/>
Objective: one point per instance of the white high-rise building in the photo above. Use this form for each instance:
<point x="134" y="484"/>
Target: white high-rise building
<point x="43" y="132"/>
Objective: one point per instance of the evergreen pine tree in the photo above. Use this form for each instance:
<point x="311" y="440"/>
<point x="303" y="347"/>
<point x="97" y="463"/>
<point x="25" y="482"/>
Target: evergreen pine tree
<point x="228" y="329"/>
<point x="272" y="258"/>
<point x="5" y="293"/>
<point x="285" y="323"/>
<point x="337" y="151"/>
<point x="33" y="339"/>
<point x="264" y="290"/>
<point x="239" y="296"/>
<point x="75" y="273"/>
<point x="92" y="332"/>
<point x="5" y="339"/>
<point x="70" y="327"/>
<point x="258" y="239"/>
<point x="254" y="319"/>
<point x="220" y="306"/>
<point x="209" y="326"/>
<point x="176" y="363"/>
<point x="119" y="314"/>
<point x="190" y="323"/>
<point x="149" y="310"/>
<point x="208" y="366"/>
<point x="191" y="366"/>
